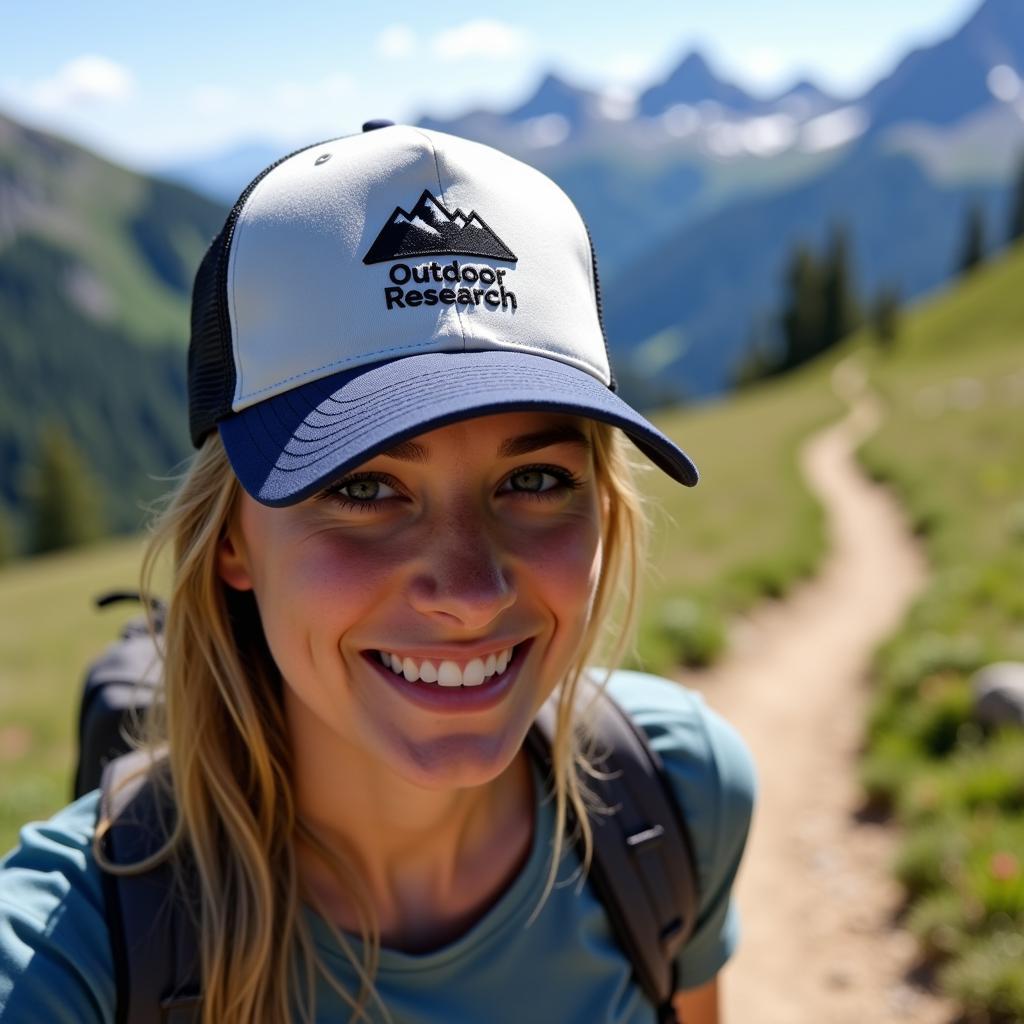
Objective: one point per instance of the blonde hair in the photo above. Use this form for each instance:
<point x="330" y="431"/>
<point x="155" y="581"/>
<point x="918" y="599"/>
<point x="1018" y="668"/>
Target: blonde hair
<point x="228" y="760"/>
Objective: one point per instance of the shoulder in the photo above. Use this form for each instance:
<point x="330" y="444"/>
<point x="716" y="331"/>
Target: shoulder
<point x="707" y="760"/>
<point x="714" y="781"/>
<point x="55" y="959"/>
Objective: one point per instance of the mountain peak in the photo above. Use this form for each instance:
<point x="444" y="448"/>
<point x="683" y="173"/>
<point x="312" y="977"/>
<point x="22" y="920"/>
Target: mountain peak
<point x="691" y="82"/>
<point x="554" y="95"/>
<point x="946" y="82"/>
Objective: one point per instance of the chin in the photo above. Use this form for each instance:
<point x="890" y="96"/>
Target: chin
<point x="457" y="761"/>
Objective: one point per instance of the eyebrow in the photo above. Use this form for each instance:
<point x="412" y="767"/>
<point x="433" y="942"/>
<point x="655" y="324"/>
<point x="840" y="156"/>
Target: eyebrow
<point x="525" y="443"/>
<point x="413" y="451"/>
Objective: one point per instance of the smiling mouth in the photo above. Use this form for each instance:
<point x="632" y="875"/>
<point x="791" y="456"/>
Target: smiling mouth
<point x="445" y="673"/>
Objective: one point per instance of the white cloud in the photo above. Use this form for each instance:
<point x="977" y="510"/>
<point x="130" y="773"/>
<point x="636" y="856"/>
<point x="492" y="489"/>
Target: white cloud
<point x="484" y="37"/>
<point x="1003" y="83"/>
<point x="762" y="66"/>
<point x="396" y="41"/>
<point x="213" y="100"/>
<point x="632" y="68"/>
<point x="306" y="97"/>
<point x="86" y="79"/>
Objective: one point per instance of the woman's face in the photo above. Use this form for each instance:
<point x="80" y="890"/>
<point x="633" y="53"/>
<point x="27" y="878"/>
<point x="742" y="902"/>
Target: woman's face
<point x="424" y="567"/>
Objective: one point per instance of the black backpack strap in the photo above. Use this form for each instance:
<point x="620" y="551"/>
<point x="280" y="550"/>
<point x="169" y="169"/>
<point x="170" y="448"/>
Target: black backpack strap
<point x="152" y="933"/>
<point x="642" y="865"/>
<point x="120" y="685"/>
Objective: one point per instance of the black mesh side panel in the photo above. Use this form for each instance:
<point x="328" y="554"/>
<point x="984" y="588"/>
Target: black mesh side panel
<point x="600" y="311"/>
<point x="211" y="364"/>
<point x="211" y="367"/>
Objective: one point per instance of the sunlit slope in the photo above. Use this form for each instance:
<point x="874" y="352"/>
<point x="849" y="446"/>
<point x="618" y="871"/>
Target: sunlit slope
<point x="748" y="530"/>
<point x="952" y="447"/>
<point x="953" y="440"/>
<point x="96" y="267"/>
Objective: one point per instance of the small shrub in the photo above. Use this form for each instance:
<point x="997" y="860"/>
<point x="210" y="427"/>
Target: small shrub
<point x="926" y="654"/>
<point x="889" y="768"/>
<point x="979" y="775"/>
<point x="988" y="977"/>
<point x="692" y="630"/>
<point x="933" y="856"/>
<point x="936" y="921"/>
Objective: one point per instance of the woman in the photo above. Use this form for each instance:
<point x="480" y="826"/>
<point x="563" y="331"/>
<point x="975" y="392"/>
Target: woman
<point x="406" y="527"/>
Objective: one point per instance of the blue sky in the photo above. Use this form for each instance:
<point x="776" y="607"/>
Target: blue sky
<point x="149" y="84"/>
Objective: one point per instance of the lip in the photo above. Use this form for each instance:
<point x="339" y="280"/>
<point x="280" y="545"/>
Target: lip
<point x="461" y="655"/>
<point x="455" y="699"/>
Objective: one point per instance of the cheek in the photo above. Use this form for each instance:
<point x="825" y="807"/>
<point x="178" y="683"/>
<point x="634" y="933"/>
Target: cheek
<point x="567" y="563"/>
<point x="314" y="593"/>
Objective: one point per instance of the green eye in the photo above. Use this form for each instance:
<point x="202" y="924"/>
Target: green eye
<point x="362" y="490"/>
<point x="530" y="480"/>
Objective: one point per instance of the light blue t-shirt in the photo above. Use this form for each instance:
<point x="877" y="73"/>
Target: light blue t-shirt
<point x="56" y="964"/>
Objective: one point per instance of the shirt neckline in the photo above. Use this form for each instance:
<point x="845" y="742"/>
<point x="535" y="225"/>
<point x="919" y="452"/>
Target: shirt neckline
<point x="513" y="907"/>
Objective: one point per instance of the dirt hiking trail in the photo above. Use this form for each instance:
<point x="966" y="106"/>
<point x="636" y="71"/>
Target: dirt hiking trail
<point x="816" y="894"/>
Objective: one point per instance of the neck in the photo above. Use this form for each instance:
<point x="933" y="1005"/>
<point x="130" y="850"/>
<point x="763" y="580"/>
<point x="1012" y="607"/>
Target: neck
<point x="431" y="861"/>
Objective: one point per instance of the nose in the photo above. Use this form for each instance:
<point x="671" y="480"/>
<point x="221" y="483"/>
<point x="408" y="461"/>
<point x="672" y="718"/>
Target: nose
<point x="465" y="578"/>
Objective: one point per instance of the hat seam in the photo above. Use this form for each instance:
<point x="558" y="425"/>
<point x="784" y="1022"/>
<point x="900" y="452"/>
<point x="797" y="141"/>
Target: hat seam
<point x="444" y="199"/>
<point x="242" y="207"/>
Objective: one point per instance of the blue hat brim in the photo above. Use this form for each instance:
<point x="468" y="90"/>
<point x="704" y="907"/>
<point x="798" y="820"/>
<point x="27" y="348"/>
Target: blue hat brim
<point x="288" y="447"/>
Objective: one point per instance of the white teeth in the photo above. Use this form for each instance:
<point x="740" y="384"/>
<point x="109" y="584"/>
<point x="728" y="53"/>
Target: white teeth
<point x="448" y="673"/>
<point x="473" y="673"/>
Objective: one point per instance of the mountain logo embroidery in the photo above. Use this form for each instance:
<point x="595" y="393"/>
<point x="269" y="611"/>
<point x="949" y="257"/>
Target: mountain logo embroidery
<point x="430" y="230"/>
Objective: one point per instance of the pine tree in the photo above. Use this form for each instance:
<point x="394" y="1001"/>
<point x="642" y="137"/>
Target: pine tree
<point x="64" y="506"/>
<point x="885" y="314"/>
<point x="6" y="536"/>
<point x="802" y="313"/>
<point x="760" y="357"/>
<point x="840" y="313"/>
<point x="972" y="253"/>
<point x="1016" y="231"/>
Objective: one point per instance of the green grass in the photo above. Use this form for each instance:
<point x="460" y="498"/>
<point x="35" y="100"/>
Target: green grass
<point x="49" y="632"/>
<point x="952" y="448"/>
<point x="749" y="530"/>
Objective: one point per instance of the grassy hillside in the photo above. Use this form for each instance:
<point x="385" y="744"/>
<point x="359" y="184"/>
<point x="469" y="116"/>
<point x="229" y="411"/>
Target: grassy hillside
<point x="953" y="449"/>
<point x="49" y="631"/>
<point x="96" y="266"/>
<point x="134" y="241"/>
<point x="750" y="528"/>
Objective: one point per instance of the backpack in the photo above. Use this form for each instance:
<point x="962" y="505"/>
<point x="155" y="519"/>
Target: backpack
<point x="642" y="866"/>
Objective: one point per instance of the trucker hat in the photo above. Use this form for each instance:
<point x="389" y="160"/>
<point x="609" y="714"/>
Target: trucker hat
<point x="379" y="285"/>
